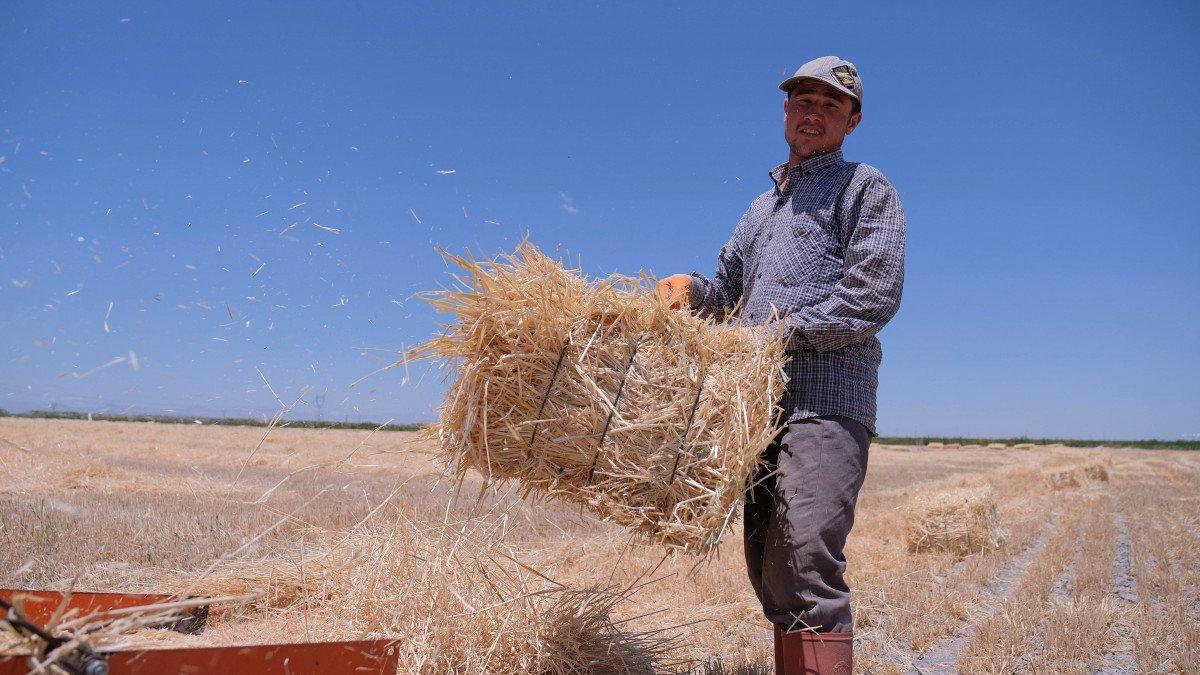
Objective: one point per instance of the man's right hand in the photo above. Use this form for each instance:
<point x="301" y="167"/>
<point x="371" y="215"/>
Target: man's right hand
<point x="676" y="290"/>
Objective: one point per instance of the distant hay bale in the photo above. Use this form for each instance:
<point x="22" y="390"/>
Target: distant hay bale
<point x="598" y="393"/>
<point x="1023" y="446"/>
<point x="936" y="445"/>
<point x="998" y="446"/>
<point x="1096" y="471"/>
<point x="1060" y="480"/>
<point x="1071" y="478"/>
<point x="959" y="521"/>
<point x="953" y="446"/>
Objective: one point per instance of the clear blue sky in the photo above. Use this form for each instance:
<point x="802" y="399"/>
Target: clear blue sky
<point x="153" y="155"/>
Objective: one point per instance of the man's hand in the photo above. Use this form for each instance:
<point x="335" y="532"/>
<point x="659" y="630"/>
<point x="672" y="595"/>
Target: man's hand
<point x="676" y="290"/>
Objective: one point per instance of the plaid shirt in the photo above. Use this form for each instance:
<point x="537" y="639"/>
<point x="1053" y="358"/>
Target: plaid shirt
<point x="834" y="276"/>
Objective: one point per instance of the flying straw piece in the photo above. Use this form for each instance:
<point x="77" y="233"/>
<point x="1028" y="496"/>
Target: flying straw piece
<point x="114" y="361"/>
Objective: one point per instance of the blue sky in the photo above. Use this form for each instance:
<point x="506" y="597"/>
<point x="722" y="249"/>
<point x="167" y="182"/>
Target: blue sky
<point x="154" y="156"/>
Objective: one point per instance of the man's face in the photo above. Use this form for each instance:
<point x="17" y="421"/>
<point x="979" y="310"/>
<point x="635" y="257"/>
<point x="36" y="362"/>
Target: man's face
<point x="817" y="118"/>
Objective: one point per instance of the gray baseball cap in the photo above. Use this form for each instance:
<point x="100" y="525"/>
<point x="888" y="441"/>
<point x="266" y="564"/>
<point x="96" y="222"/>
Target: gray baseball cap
<point x="832" y="70"/>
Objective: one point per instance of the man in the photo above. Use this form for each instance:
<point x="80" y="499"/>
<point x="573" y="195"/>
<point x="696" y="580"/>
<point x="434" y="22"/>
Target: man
<point x="820" y="259"/>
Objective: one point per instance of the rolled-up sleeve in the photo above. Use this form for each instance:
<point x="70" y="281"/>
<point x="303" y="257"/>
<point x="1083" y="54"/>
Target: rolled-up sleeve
<point x="717" y="296"/>
<point x="867" y="295"/>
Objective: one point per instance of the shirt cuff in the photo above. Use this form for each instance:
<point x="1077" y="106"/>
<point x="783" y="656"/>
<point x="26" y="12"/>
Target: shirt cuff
<point x="699" y="291"/>
<point x="793" y="337"/>
<point x="796" y="340"/>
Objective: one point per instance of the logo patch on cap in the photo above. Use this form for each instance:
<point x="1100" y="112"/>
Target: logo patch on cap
<point x="847" y="75"/>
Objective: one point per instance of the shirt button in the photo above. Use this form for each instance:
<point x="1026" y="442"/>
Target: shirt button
<point x="769" y="236"/>
<point x="758" y="276"/>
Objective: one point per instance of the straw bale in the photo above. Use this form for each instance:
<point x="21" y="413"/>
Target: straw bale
<point x="997" y="446"/>
<point x="937" y="444"/>
<point x="1096" y="471"/>
<point x="1023" y="446"/>
<point x="1072" y="478"/>
<point x="959" y="521"/>
<point x="598" y="393"/>
<point x="1060" y="480"/>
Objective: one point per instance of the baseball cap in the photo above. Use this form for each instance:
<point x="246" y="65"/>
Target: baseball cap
<point x="832" y="70"/>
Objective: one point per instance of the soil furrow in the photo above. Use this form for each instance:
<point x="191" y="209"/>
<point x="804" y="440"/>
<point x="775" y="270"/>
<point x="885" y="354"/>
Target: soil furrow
<point x="1120" y="659"/>
<point x="1061" y="590"/>
<point x="1005" y="634"/>
<point x="942" y="657"/>
<point x="1124" y="581"/>
<point x="1077" y="629"/>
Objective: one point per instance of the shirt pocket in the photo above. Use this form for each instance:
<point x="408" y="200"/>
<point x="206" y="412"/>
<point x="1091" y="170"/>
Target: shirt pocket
<point x="803" y="257"/>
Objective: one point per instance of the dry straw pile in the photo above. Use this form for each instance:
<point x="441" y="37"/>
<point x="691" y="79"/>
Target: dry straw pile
<point x="450" y="596"/>
<point x="453" y="599"/>
<point x="599" y="394"/>
<point x="959" y="521"/>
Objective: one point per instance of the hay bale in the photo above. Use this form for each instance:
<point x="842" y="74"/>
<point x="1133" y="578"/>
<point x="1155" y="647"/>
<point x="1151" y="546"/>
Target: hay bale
<point x="953" y="446"/>
<point x="959" y="521"/>
<point x="1023" y="446"/>
<point x="1072" y="478"/>
<point x="936" y="445"/>
<point x="599" y="394"/>
<point x="997" y="446"/>
<point x="1096" y="472"/>
<point x="1061" y="480"/>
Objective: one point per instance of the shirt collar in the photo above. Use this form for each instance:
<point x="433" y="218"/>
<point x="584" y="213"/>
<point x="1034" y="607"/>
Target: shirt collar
<point x="806" y="166"/>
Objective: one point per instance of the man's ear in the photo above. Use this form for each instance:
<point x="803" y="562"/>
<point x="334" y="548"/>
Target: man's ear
<point x="854" y="120"/>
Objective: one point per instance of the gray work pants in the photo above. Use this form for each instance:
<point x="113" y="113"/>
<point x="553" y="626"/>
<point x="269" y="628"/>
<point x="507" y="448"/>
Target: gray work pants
<point x="798" y="514"/>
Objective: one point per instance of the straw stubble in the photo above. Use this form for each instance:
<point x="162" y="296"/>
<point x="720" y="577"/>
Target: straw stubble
<point x="599" y="394"/>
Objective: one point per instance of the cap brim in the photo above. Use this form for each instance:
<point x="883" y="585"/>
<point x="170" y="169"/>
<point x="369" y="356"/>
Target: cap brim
<point x="791" y="82"/>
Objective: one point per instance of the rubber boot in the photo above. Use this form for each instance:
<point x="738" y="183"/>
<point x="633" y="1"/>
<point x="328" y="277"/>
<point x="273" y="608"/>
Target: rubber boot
<point x="809" y="653"/>
<point x="778" y="650"/>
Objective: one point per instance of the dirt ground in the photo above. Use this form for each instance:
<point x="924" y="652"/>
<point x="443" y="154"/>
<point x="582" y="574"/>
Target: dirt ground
<point x="1102" y="575"/>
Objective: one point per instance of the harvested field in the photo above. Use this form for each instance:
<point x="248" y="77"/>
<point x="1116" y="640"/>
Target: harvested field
<point x="143" y="506"/>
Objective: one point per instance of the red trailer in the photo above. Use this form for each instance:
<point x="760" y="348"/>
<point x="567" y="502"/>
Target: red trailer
<point x="358" y="657"/>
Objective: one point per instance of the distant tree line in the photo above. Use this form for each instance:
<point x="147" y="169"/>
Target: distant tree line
<point x="1074" y="443"/>
<point x="319" y="424"/>
<point x="218" y="421"/>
